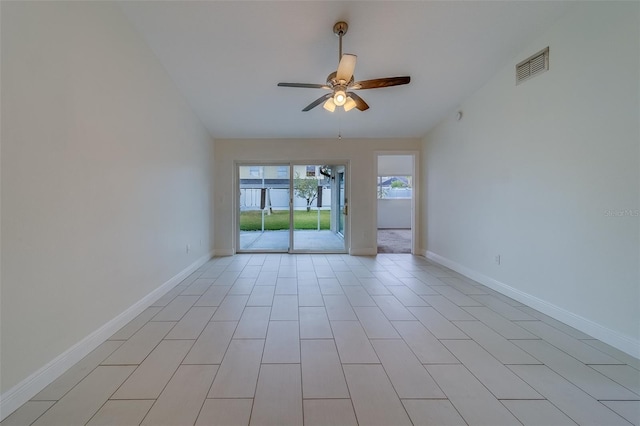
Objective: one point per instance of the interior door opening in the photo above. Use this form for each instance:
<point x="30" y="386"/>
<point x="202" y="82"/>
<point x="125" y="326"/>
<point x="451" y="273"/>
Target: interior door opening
<point x="395" y="183"/>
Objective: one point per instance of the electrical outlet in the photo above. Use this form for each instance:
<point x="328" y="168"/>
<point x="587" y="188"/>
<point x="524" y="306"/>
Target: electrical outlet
<point x="498" y="259"/>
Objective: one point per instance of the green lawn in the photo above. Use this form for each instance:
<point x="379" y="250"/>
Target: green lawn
<point x="279" y="219"/>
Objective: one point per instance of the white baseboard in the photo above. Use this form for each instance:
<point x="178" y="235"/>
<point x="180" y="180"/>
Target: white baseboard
<point x="12" y="399"/>
<point x="619" y="341"/>
<point x="363" y="251"/>
<point x="223" y="252"/>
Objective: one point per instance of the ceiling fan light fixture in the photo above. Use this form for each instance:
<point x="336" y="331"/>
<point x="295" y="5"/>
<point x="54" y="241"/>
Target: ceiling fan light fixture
<point x="329" y="105"/>
<point x="349" y="104"/>
<point x="340" y="97"/>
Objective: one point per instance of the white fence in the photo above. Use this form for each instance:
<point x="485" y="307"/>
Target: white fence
<point x="250" y="199"/>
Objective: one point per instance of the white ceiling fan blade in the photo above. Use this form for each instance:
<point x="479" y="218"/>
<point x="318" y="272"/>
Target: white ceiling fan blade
<point x="345" y="67"/>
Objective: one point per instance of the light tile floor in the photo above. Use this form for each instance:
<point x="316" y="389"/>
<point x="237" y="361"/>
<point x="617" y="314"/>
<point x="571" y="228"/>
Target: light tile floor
<point x="271" y="339"/>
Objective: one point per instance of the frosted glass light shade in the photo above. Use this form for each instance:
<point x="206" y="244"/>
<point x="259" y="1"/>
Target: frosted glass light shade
<point x="349" y="104"/>
<point x="329" y="105"/>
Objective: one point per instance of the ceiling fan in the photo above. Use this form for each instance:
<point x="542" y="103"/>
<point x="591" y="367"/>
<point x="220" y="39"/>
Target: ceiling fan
<point x="341" y="82"/>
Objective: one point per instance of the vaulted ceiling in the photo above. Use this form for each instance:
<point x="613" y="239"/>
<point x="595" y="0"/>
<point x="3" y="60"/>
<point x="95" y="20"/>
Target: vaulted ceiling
<point x="226" y="57"/>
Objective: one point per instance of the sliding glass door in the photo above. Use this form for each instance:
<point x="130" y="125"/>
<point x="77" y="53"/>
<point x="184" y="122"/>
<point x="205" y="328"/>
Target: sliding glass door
<point x="263" y="216"/>
<point x="291" y="208"/>
<point x="315" y="207"/>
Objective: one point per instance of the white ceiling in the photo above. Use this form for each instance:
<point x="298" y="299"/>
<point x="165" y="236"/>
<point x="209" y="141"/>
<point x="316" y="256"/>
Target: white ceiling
<point x="226" y="57"/>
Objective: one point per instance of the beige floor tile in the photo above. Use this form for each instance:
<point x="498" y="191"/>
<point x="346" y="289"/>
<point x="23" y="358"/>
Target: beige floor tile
<point x="322" y="375"/>
<point x="153" y="374"/>
<point x="448" y="309"/>
<point x="627" y="376"/>
<point x="438" y="325"/>
<point x="352" y="342"/>
<point x="136" y="349"/>
<point x="230" y="309"/>
<point x="502" y="308"/>
<point x="388" y="279"/>
<point x="374" y="286"/>
<point x="537" y="413"/>
<point x="136" y="324"/>
<point x="579" y="406"/>
<point x="63" y="384"/>
<point x="243" y="286"/>
<point x="630" y="410"/>
<point x="169" y="296"/>
<point x="192" y="323"/>
<point x="253" y="323"/>
<point x="283" y="343"/>
<point x="374" y="400"/>
<point x="502" y="349"/>
<point x="418" y="287"/>
<point x="338" y="308"/>
<point x="262" y="295"/>
<point x="309" y="295"/>
<point x="393" y="309"/>
<point x="438" y="412"/>
<point x="586" y="378"/>
<point x="494" y="375"/>
<point x="286" y="286"/>
<point x="616" y="353"/>
<point x="268" y="276"/>
<point x="214" y="296"/>
<point x="408" y="376"/>
<point x="574" y="347"/>
<point x="375" y="324"/>
<point x="122" y="413"/>
<point x="314" y="323"/>
<point x="176" y="309"/>
<point x="227" y="277"/>
<point x="212" y="343"/>
<point x="182" y="398"/>
<point x="358" y="296"/>
<point x="330" y="286"/>
<point x="238" y="373"/>
<point x="346" y="278"/>
<point x="424" y="345"/>
<point x="84" y="400"/>
<point x="225" y="412"/>
<point x="501" y="325"/>
<point x="577" y="334"/>
<point x="198" y="287"/>
<point x="406" y="296"/>
<point x="278" y="400"/>
<point x="251" y="271"/>
<point x="325" y="272"/>
<point x="27" y="413"/>
<point x="329" y="412"/>
<point x="463" y="285"/>
<point x="472" y="400"/>
<point x="285" y="307"/>
<point x="456" y="296"/>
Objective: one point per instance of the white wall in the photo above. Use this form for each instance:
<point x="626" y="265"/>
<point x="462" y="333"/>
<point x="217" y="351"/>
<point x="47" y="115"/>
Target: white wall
<point x="394" y="213"/>
<point x="531" y="171"/>
<point x="361" y="178"/>
<point x="106" y="177"/>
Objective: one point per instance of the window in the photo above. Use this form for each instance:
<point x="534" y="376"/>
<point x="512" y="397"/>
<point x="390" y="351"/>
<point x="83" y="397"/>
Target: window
<point x="254" y="171"/>
<point x="283" y="172"/>
<point x="394" y="186"/>
<point x="311" y="171"/>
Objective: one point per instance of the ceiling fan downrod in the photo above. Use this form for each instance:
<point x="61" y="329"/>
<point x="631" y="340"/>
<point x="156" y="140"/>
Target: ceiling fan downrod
<point x="340" y="29"/>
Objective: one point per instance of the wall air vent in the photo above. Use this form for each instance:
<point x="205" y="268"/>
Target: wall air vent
<point x="532" y="66"/>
